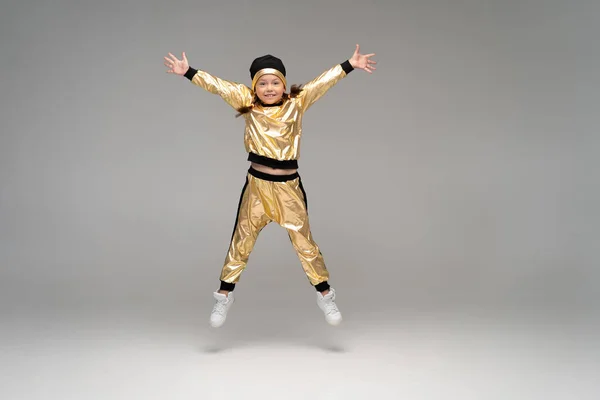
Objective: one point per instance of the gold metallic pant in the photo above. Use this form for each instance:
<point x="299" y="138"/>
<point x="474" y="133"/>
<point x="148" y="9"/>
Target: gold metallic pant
<point x="266" y="198"/>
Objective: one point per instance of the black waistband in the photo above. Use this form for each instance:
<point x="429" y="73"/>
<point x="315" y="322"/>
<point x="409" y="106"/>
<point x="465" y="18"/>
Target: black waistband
<point x="270" y="162"/>
<point x="273" y="178"/>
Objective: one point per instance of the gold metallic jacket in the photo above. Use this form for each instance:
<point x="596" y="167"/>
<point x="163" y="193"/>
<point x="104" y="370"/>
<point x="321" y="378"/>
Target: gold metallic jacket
<point x="272" y="132"/>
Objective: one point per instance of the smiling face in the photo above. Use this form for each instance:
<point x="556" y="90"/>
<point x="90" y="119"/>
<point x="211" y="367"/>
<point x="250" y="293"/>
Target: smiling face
<point x="269" y="89"/>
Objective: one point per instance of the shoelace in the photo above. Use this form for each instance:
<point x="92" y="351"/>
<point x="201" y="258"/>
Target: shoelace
<point x="219" y="308"/>
<point x="330" y="307"/>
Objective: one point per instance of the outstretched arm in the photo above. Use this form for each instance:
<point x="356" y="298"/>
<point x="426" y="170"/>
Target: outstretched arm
<point x="315" y="89"/>
<point x="235" y="94"/>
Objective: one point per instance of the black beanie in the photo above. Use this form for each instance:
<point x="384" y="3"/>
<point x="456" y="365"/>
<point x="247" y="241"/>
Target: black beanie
<point x="267" y="61"/>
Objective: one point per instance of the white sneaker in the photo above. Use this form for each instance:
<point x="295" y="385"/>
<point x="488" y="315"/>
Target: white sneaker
<point x="219" y="311"/>
<point x="327" y="304"/>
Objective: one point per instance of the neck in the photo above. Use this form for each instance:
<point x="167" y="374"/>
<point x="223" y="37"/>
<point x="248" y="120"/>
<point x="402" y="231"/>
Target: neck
<point x="280" y="102"/>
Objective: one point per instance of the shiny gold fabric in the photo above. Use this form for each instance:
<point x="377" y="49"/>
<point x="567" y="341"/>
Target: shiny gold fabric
<point x="273" y="132"/>
<point x="263" y="202"/>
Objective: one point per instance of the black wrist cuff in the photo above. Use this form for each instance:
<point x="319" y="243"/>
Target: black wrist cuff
<point x="347" y="67"/>
<point x="190" y="73"/>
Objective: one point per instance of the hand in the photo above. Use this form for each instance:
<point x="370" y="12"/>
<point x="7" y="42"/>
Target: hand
<point x="362" y="61"/>
<point x="176" y="66"/>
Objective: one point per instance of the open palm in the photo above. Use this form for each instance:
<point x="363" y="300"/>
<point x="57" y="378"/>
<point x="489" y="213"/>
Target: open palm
<point x="175" y="65"/>
<point x="363" y="61"/>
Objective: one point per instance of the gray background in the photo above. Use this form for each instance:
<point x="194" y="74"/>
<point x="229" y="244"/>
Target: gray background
<point x="460" y="179"/>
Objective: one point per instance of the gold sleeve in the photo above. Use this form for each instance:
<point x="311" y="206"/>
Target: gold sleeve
<point x="237" y="95"/>
<point x="315" y="89"/>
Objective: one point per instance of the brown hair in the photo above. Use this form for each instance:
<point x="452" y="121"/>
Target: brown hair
<point x="294" y="91"/>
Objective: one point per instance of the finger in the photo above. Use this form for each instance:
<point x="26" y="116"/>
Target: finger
<point x="173" y="57"/>
<point x="357" y="50"/>
<point x="184" y="56"/>
<point x="369" y="55"/>
<point x="372" y="61"/>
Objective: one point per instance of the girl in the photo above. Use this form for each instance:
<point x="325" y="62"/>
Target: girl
<point x="273" y="190"/>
